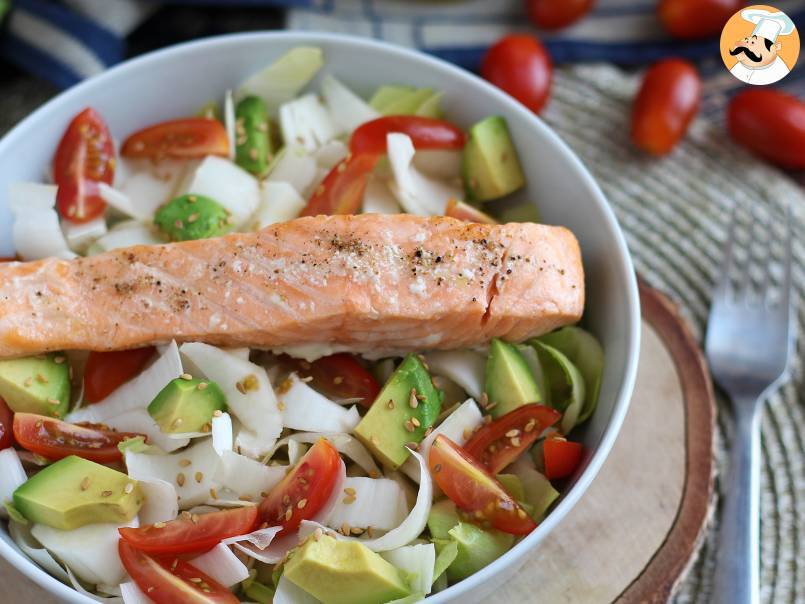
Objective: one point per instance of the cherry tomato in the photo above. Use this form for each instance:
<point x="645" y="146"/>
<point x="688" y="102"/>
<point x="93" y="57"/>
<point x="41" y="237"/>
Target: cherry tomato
<point x="339" y="376"/>
<point x="425" y="132"/>
<point x="665" y="105"/>
<point x="771" y="124"/>
<point x="182" y="139"/>
<point x="54" y="439"/>
<point x="341" y="191"/>
<point x="6" y="426"/>
<point x="188" y="534"/>
<point x="172" y="580"/>
<point x="105" y="372"/>
<point x="467" y="213"/>
<point x="7" y="260"/>
<point x="500" y="442"/>
<point x="85" y="157"/>
<point x="691" y="19"/>
<point x="562" y="457"/>
<point x="304" y="490"/>
<point x="520" y="65"/>
<point x="474" y="490"/>
<point x="556" y="14"/>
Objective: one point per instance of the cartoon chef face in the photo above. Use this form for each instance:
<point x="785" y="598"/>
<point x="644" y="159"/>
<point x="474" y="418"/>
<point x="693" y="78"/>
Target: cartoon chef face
<point x="755" y="51"/>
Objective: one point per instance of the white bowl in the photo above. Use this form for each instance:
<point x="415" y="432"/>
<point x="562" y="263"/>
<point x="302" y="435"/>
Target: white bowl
<point x="174" y="82"/>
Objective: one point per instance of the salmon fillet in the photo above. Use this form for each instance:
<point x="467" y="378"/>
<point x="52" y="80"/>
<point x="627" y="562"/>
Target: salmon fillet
<point x="372" y="284"/>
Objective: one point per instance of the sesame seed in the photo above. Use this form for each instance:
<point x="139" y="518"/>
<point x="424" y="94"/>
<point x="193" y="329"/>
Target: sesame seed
<point x="345" y="529"/>
<point x="245" y="498"/>
<point x="192" y="198"/>
<point x="59" y="360"/>
<point x="348" y="500"/>
<point x="54" y="401"/>
<point x="85" y="483"/>
<point x="202" y="385"/>
<point x="192" y="218"/>
<point x="437" y="468"/>
<point x="515" y="441"/>
<point x="281" y="406"/>
<point x="356" y="531"/>
<point x="178" y="224"/>
<point x="390" y="404"/>
<point x="186" y="376"/>
<point x="412" y="445"/>
<point x="521" y="513"/>
<point x="240" y="388"/>
<point x="213" y="493"/>
<point x="349" y="491"/>
<point x="217" y="413"/>
<point x="415" y="421"/>
<point x="195" y="579"/>
<point x="467" y="433"/>
<point x="176" y="423"/>
<point x="199" y="477"/>
<point x="159" y="525"/>
<point x="288" y="514"/>
<point x="150" y="589"/>
<point x="487" y="419"/>
<point x="530" y="425"/>
<point x="317" y="534"/>
<point x="28" y="381"/>
<point x="413" y="402"/>
<point x="184" y="463"/>
<point x="253" y="153"/>
<point x="338" y="380"/>
<point x="41" y="378"/>
<point x="128" y="488"/>
<point x="409" y="425"/>
<point x="286" y="500"/>
<point x="484" y="399"/>
<point x="512" y="433"/>
<point x="374" y="474"/>
<point x="106" y="494"/>
<point x="38" y="424"/>
<point x="180" y="478"/>
<point x="491" y="406"/>
<point x="370" y="531"/>
<point x="302" y="503"/>
<point x="194" y="518"/>
<point x="206" y="427"/>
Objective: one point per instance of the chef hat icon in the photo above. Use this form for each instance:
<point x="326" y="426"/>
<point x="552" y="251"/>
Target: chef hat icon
<point x="768" y="25"/>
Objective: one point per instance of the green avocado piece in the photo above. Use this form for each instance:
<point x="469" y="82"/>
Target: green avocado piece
<point x="252" y="135"/>
<point x="39" y="385"/>
<point x="187" y="405"/>
<point x="509" y="381"/>
<point x="491" y="167"/>
<point x="192" y="217"/>
<point x="564" y="384"/>
<point x="443" y="517"/>
<point x="257" y="592"/>
<point x="584" y="351"/>
<point x="387" y="95"/>
<point x="477" y="548"/>
<point x="432" y="106"/>
<point x="405" y="100"/>
<point x="406" y="407"/>
<point x="74" y="492"/>
<point x="344" y="572"/>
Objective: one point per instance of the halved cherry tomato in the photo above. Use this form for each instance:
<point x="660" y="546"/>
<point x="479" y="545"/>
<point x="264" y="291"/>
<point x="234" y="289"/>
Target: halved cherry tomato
<point x="172" y="580"/>
<point x="7" y="260"/>
<point x="467" y="213"/>
<point x="182" y="139"/>
<point x="54" y="439"/>
<point x="562" y="457"/>
<point x="500" y="442"/>
<point x="556" y="14"/>
<point x="6" y="426"/>
<point x="85" y="157"/>
<point x="105" y="372"/>
<point x="188" y="534"/>
<point x="338" y="376"/>
<point x="665" y="105"/>
<point x="520" y="65"/>
<point x="341" y="191"/>
<point x="302" y="493"/>
<point x="474" y="490"/>
<point x="771" y="124"/>
<point x="425" y="133"/>
<point x="690" y="19"/>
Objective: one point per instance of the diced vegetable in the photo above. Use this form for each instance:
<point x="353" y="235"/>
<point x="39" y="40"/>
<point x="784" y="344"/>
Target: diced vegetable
<point x="367" y="502"/>
<point x="562" y="457"/>
<point x="230" y="186"/>
<point x="192" y="216"/>
<point x="289" y="593"/>
<point x="247" y="477"/>
<point x="105" y="372"/>
<point x="194" y="137"/>
<point x="425" y="133"/>
<point x="342" y="190"/>
<point x="24" y="196"/>
<point x="346" y="444"/>
<point x="161" y="503"/>
<point x="347" y="109"/>
<point x="539" y="493"/>
<point x="80" y="236"/>
<point x="279" y="202"/>
<point x="305" y="409"/>
<point x="140" y="422"/>
<point x="221" y="565"/>
<point x="37" y="235"/>
<point x="378" y="199"/>
<point x="252" y="135"/>
<point x="418" y="561"/>
<point x="565" y="388"/>
<point x="306" y="122"/>
<point x="132" y="235"/>
<point x="281" y="81"/>
<point x="465" y="367"/>
<point x="21" y="535"/>
<point x="294" y="166"/>
<point x="12" y="476"/>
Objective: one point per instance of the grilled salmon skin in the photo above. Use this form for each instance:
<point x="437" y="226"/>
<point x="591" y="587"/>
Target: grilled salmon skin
<point x="373" y="284"/>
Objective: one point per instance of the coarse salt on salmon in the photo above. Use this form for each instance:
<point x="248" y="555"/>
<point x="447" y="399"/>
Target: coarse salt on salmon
<point x="372" y="284"/>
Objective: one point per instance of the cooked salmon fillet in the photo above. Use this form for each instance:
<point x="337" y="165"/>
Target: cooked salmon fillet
<point x="371" y="284"/>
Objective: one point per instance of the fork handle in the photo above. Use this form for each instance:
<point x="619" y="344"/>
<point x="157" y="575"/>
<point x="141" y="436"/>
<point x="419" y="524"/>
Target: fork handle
<point x="737" y="561"/>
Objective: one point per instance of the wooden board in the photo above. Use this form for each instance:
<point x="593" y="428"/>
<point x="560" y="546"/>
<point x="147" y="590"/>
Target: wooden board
<point x="635" y="531"/>
<point x="632" y="536"/>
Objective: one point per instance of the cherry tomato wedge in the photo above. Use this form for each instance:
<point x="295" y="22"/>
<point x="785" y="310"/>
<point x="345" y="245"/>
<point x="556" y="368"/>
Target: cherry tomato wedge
<point x="665" y="105"/>
<point x="341" y="191"/>
<point x="339" y="376"/>
<point x="182" y="139"/>
<point x="6" y="426"/>
<point x="54" y="439"/>
<point x="85" y="157"/>
<point x="188" y="534"/>
<point x="556" y="14"/>
<point x="172" y="580"/>
<point x="691" y="19"/>
<point x="520" y="65"/>
<point x="425" y="133"/>
<point x="467" y="213"/>
<point x="105" y="372"/>
<point x="474" y="490"/>
<point x="500" y="442"/>
<point x="304" y="491"/>
<point x="562" y="457"/>
<point x="771" y="124"/>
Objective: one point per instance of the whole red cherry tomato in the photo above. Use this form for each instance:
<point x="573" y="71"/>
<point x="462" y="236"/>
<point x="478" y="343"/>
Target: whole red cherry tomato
<point x="665" y="105"/>
<point x="771" y="124"/>
<point x="6" y="426"/>
<point x="556" y="14"/>
<point x="691" y="19"/>
<point x="520" y="65"/>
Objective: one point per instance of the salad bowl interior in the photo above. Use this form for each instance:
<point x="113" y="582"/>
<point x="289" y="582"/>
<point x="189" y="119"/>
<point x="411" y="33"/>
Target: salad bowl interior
<point x="174" y="82"/>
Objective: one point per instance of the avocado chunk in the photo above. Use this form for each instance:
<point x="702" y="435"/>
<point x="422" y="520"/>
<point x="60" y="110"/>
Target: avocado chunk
<point x="404" y="410"/>
<point x="509" y="381"/>
<point x="187" y="405"/>
<point x="344" y="572"/>
<point x="39" y="385"/>
<point x="477" y="548"/>
<point x="252" y="135"/>
<point x="406" y="100"/>
<point x="74" y="492"/>
<point x="491" y="167"/>
<point x="564" y="385"/>
<point x="192" y="217"/>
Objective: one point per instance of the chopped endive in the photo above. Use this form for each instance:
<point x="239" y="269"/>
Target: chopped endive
<point x="282" y="81"/>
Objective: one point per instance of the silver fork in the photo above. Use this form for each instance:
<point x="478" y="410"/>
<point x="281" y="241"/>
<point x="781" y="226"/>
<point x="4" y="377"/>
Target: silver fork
<point x="748" y="344"/>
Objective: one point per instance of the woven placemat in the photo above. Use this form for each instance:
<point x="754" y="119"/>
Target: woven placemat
<point x="674" y="212"/>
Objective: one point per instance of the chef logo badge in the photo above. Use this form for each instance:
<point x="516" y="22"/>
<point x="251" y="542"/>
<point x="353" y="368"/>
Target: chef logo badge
<point x="760" y="45"/>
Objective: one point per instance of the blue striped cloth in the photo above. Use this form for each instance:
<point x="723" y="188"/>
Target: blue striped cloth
<point x="65" y="41"/>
